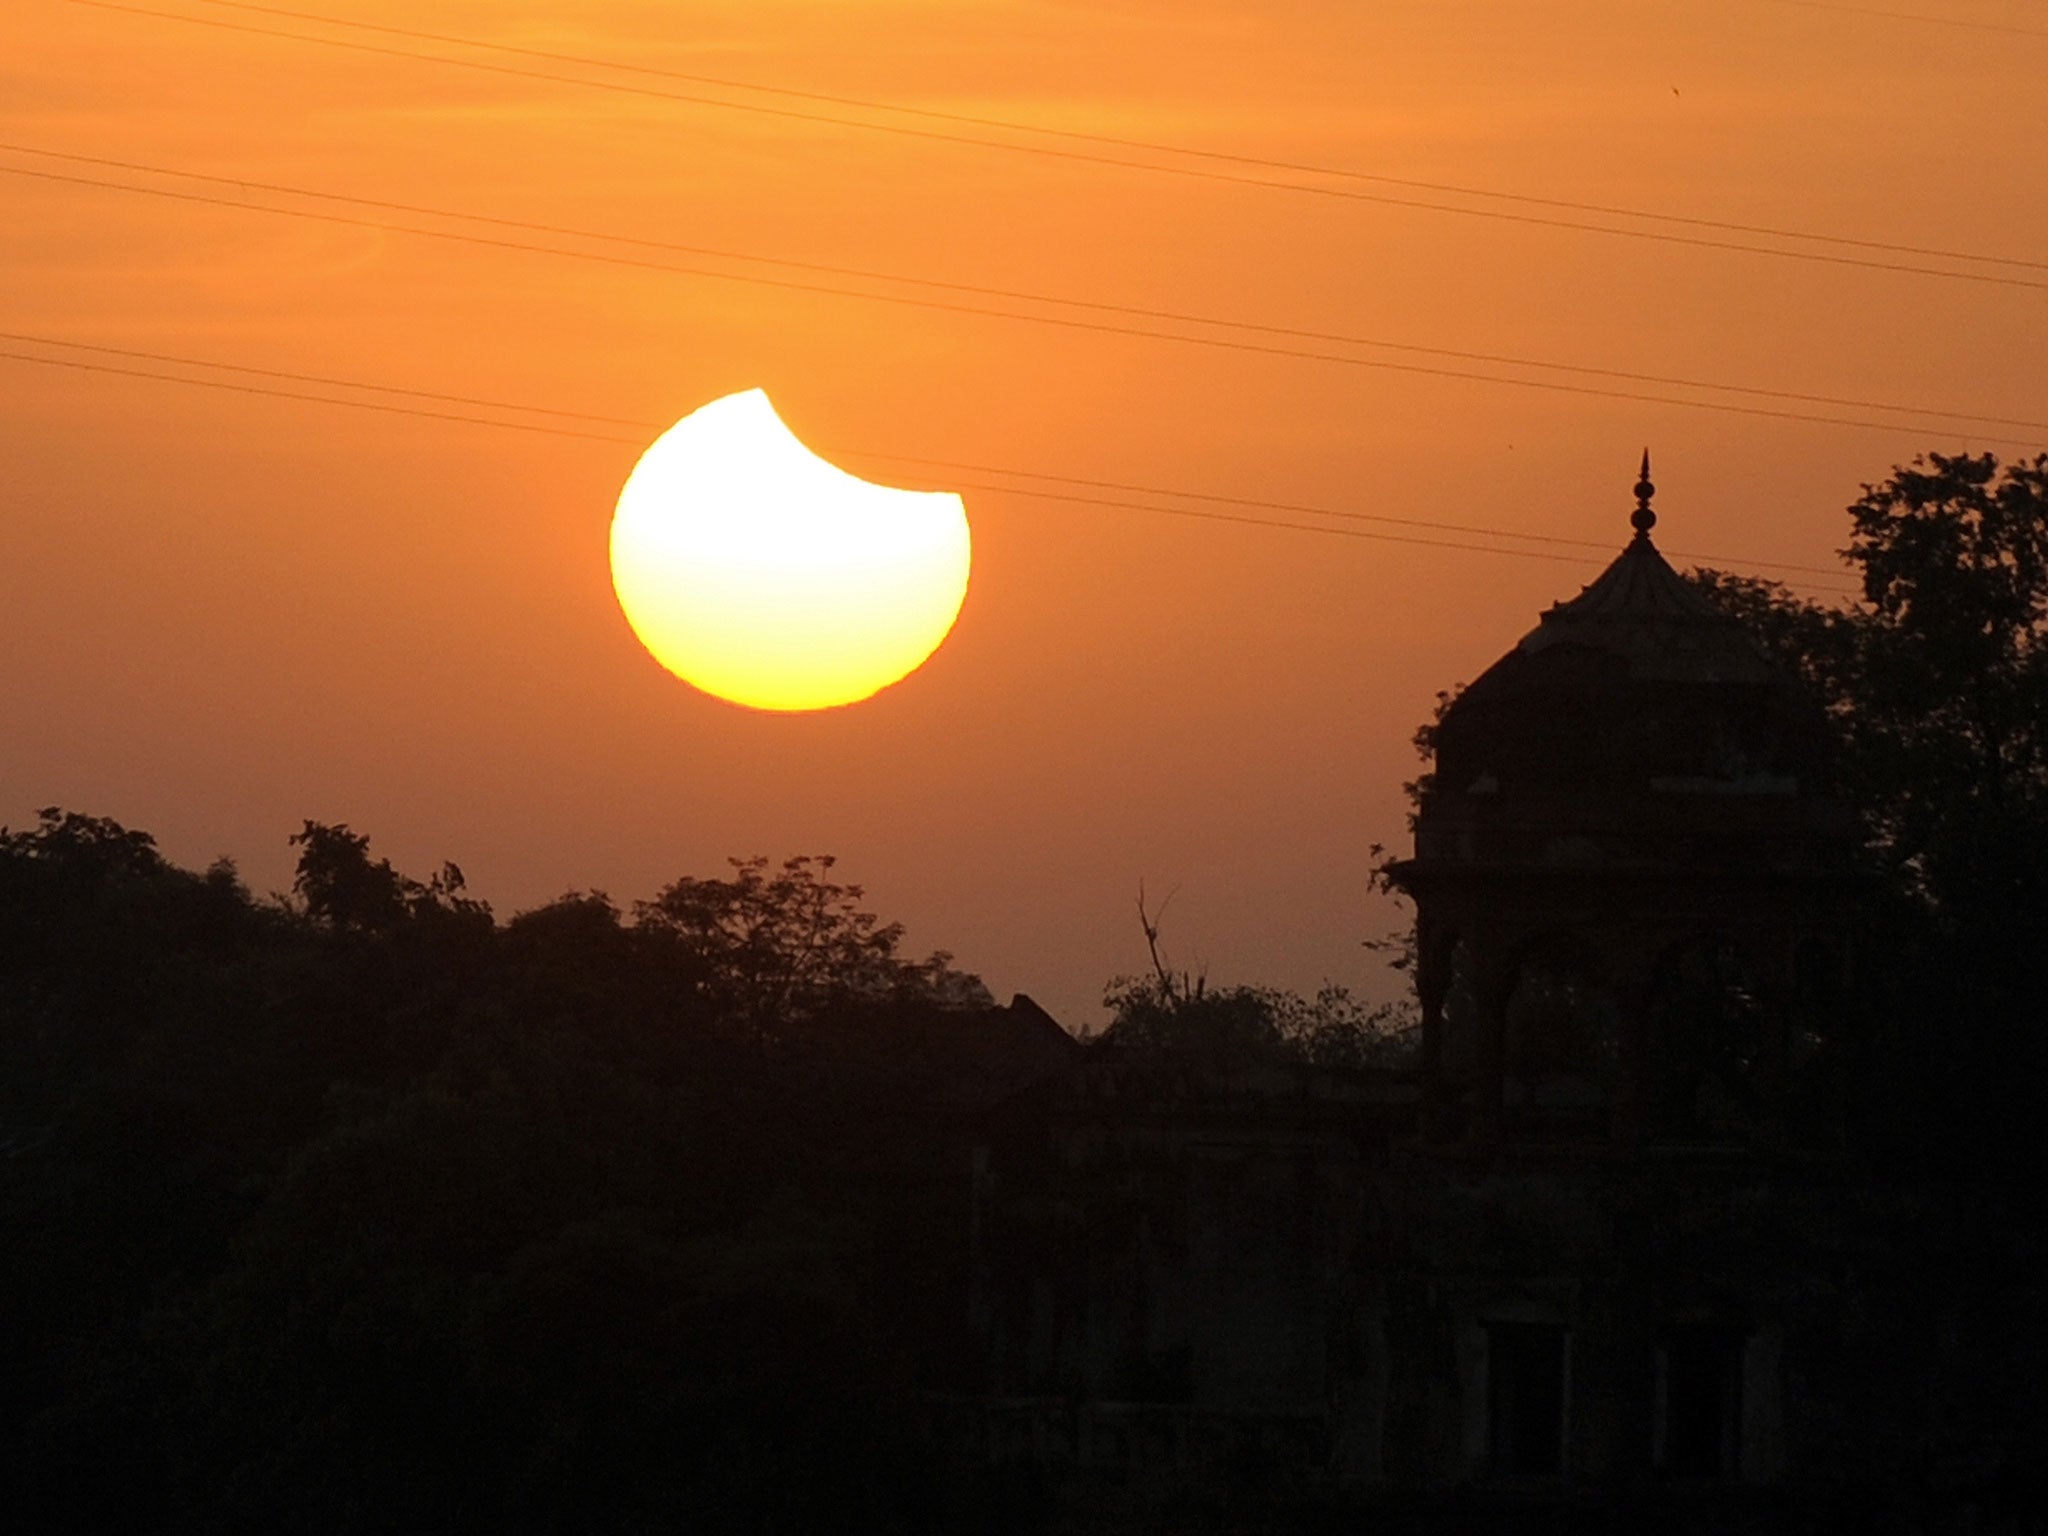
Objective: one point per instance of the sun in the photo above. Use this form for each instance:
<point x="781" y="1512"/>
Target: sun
<point x="759" y="573"/>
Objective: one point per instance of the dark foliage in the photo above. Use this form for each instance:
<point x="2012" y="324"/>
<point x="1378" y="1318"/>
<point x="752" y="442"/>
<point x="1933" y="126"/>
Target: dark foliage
<point x="367" y="1212"/>
<point x="1246" y="1025"/>
<point x="1170" y="1014"/>
<point x="1937" y="688"/>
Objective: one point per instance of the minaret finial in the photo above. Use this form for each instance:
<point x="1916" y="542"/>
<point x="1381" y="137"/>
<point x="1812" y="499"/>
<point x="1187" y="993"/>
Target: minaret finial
<point x="1643" y="519"/>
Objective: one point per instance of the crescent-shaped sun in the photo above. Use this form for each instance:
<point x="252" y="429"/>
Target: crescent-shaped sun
<point x="757" y="572"/>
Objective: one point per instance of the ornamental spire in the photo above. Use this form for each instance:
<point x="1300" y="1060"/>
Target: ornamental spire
<point x="1643" y="519"/>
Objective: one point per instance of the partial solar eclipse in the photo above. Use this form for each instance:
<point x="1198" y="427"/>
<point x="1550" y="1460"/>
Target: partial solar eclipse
<point x="759" y="573"/>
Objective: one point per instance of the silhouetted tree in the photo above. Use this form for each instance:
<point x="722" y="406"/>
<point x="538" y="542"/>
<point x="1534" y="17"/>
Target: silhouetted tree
<point x="1937" y="688"/>
<point x="1938" y="685"/>
<point x="341" y="887"/>
<point x="1179" y="1013"/>
<point x="359" y="1210"/>
<point x="86" y="848"/>
<point x="1252" y="1023"/>
<point x="777" y="944"/>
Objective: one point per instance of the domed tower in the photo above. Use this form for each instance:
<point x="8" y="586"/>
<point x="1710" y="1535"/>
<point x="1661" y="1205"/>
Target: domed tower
<point x="1631" y="884"/>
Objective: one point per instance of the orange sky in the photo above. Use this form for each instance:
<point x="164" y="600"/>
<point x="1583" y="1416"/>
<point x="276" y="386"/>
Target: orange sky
<point x="223" y="613"/>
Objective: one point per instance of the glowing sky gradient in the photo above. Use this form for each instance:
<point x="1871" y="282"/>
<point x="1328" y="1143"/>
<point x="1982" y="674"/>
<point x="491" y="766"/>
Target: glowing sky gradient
<point x="226" y="613"/>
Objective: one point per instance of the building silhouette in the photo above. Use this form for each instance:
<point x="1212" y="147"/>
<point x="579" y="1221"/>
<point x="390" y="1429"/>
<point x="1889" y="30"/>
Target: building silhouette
<point x="1632" y="887"/>
<point x="1605" y="1247"/>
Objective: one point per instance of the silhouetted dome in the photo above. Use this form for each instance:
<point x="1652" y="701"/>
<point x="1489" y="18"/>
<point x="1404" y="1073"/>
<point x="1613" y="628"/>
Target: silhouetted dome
<point x="1641" y="609"/>
<point x="1638" y="705"/>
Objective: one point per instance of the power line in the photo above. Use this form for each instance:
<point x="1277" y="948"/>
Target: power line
<point x="1857" y="10"/>
<point x="1011" y="125"/>
<point x="331" y="382"/>
<point x="82" y="366"/>
<point x="1100" y="327"/>
<point x="645" y="425"/>
<point x="1199" y="172"/>
<point x="271" y="389"/>
<point x="955" y="466"/>
<point x="1175" y="317"/>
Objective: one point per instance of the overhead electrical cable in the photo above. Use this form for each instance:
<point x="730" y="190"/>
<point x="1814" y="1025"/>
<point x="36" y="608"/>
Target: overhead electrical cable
<point x="272" y="389"/>
<point x="1208" y="172"/>
<point x="980" y="290"/>
<point x="1848" y="10"/>
<point x="332" y="382"/>
<point x="83" y="366"/>
<point x="1071" y="322"/>
<point x="1013" y="125"/>
<point x="644" y="425"/>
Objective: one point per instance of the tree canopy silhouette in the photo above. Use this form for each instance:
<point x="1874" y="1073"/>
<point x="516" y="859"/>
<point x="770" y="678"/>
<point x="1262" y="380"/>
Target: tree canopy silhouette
<point x="1176" y="1013"/>
<point x="1938" y="684"/>
<point x="361" y="1209"/>
<point x="778" y="944"/>
<point x="1937" y="689"/>
<point x="341" y="887"/>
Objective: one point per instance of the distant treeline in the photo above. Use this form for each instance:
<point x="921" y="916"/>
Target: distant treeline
<point x="365" y="1211"/>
